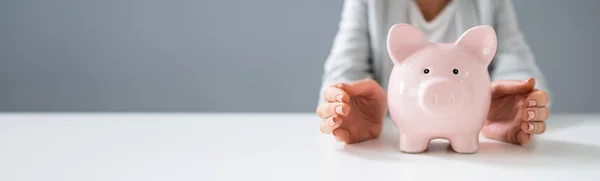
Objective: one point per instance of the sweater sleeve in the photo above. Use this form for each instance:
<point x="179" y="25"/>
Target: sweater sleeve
<point x="348" y="60"/>
<point x="514" y="59"/>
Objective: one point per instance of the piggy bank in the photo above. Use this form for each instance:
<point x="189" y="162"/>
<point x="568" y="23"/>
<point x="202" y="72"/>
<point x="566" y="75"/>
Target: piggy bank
<point x="439" y="90"/>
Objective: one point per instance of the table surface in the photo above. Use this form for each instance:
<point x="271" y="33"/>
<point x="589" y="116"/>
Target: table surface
<point x="225" y="146"/>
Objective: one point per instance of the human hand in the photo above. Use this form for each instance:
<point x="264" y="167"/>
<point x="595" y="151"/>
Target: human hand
<point x="353" y="112"/>
<point x="517" y="111"/>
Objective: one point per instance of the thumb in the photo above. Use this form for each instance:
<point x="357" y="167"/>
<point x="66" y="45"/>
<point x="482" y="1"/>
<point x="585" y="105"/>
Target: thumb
<point x="365" y="87"/>
<point x="508" y="87"/>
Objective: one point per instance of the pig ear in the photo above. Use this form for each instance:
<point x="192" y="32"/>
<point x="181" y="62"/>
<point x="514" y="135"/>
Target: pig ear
<point x="404" y="40"/>
<point x="481" y="41"/>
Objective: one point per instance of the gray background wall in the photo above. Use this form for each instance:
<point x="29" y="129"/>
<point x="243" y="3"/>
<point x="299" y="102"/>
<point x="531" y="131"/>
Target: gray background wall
<point x="262" y="55"/>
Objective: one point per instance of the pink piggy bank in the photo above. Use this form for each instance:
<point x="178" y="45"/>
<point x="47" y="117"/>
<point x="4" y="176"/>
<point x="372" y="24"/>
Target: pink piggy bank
<point x="439" y="90"/>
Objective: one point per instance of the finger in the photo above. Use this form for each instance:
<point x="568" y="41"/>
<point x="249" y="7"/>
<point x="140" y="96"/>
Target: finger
<point x="335" y="94"/>
<point x="499" y="132"/>
<point x="507" y="87"/>
<point x="330" y="124"/>
<point x="342" y="135"/>
<point x="327" y="110"/>
<point x="538" y="98"/>
<point x="536" y="114"/>
<point x="523" y="138"/>
<point x="533" y="127"/>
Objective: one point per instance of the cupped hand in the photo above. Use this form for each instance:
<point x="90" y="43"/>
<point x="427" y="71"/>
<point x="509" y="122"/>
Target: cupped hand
<point x="517" y="111"/>
<point x="353" y="112"/>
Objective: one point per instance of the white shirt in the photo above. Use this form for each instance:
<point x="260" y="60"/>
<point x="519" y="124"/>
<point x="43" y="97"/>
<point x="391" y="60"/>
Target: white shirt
<point x="441" y="29"/>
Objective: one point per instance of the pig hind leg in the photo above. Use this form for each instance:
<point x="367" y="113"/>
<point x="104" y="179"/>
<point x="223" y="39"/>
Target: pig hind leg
<point x="465" y="143"/>
<point x="413" y="143"/>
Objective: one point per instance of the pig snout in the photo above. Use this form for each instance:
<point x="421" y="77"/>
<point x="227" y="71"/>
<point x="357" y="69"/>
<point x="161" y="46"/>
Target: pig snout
<point x="441" y="96"/>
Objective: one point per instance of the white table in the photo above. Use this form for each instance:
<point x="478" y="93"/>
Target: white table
<point x="149" y="147"/>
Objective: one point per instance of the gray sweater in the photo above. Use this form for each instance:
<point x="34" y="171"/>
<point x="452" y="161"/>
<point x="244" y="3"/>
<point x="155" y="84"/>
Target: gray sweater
<point x="359" y="48"/>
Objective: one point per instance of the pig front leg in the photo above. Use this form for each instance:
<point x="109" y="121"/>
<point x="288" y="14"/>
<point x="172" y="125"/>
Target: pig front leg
<point x="413" y="143"/>
<point x="465" y="143"/>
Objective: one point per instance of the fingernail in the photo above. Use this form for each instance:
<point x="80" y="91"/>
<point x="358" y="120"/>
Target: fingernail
<point x="338" y="98"/>
<point x="530" y="127"/>
<point x="339" y="110"/>
<point x="532" y="102"/>
<point x="530" y="115"/>
<point x="331" y="122"/>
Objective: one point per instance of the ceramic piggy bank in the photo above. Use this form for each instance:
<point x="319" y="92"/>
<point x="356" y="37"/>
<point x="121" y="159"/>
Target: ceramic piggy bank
<point x="439" y="90"/>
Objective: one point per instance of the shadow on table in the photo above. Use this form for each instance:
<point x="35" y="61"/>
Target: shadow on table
<point x="378" y="149"/>
<point x="542" y="152"/>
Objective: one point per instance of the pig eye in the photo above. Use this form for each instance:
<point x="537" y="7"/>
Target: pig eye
<point x="426" y="71"/>
<point x="455" y="71"/>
